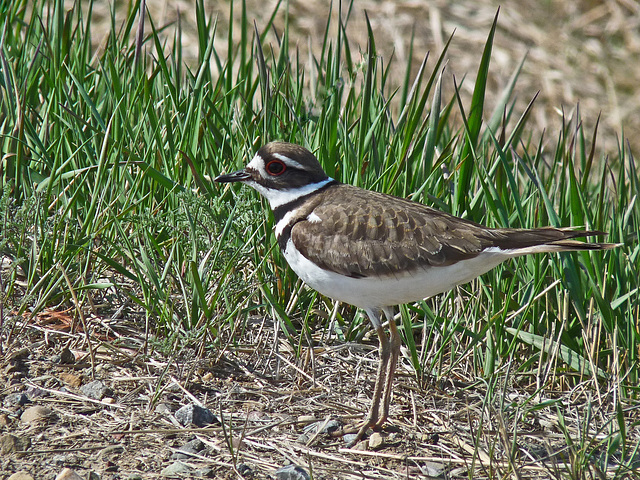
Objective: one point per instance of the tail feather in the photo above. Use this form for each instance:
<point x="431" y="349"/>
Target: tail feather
<point x="548" y="239"/>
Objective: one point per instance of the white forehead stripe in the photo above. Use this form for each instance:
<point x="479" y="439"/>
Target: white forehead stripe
<point x="257" y="163"/>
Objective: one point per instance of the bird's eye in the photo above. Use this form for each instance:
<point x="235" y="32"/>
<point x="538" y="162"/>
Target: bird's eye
<point x="275" y="167"/>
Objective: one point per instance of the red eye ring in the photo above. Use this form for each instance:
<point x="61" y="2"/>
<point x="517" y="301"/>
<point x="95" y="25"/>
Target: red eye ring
<point x="275" y="167"/>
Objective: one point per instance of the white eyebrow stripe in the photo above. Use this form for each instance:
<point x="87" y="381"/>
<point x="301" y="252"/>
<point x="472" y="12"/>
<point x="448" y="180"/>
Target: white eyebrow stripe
<point x="288" y="160"/>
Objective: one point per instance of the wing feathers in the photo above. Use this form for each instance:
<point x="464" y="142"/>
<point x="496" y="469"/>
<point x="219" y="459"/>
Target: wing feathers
<point x="380" y="235"/>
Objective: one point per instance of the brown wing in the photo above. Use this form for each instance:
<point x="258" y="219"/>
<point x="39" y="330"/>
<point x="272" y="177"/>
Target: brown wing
<point x="374" y="234"/>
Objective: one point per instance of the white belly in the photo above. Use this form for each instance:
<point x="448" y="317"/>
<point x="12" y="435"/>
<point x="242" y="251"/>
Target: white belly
<point x="386" y="291"/>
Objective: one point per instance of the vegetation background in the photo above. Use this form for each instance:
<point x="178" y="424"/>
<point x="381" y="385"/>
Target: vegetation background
<point x="115" y="245"/>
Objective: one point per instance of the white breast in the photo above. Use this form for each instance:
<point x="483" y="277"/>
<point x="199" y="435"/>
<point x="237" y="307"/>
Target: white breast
<point x="386" y="291"/>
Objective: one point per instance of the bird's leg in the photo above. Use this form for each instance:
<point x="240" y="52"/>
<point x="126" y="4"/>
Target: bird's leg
<point x="391" y="366"/>
<point x="385" y="353"/>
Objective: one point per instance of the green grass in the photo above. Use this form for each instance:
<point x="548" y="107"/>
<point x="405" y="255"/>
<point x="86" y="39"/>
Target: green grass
<point x="107" y="157"/>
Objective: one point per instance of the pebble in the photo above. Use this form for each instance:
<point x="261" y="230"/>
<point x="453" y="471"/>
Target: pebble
<point x="176" y="468"/>
<point x="67" y="357"/>
<point x="35" y="392"/>
<point x="292" y="472"/>
<point x="71" y="379"/>
<point x="60" y="459"/>
<point x="37" y="414"/>
<point x="163" y="409"/>
<point x="244" y="470"/>
<point x="194" y="415"/>
<point x="194" y="446"/>
<point x="349" y="438"/>
<point x="362" y="445"/>
<point x="20" y="476"/>
<point x="16" y="399"/>
<point x="12" y="443"/>
<point x="68" y="474"/>
<point x="96" y="390"/>
<point x="306" y="419"/>
<point x="375" y="440"/>
<point x="435" y="470"/>
<point x="324" y="427"/>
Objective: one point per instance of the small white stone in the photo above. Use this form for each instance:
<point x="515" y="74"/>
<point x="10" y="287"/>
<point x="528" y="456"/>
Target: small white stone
<point x="375" y="440"/>
<point x="68" y="474"/>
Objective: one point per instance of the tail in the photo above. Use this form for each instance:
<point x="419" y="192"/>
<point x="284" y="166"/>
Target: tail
<point x="518" y="242"/>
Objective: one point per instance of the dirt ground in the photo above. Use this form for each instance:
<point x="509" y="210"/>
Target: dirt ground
<point x="261" y="397"/>
<point x="260" y="400"/>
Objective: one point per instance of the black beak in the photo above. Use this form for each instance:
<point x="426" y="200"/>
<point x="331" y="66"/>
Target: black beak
<point x="238" y="176"/>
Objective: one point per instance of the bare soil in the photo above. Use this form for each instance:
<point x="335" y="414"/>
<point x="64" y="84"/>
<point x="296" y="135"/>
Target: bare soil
<point x="262" y="398"/>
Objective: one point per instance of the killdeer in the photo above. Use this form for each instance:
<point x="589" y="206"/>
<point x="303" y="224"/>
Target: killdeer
<point x="376" y="251"/>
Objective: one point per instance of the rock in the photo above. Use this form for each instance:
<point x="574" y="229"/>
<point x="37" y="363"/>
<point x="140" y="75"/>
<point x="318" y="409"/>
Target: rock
<point x="67" y="357"/>
<point x="20" y="476"/>
<point x="70" y="379"/>
<point x="16" y="399"/>
<point x="19" y="354"/>
<point x="176" y="469"/>
<point x="15" y="367"/>
<point x="12" y="443"/>
<point x="4" y="420"/>
<point x="37" y="414"/>
<point x="244" y="469"/>
<point x="362" y="445"/>
<point x="349" y="438"/>
<point x="35" y="392"/>
<point x="60" y="459"/>
<point x="68" y="474"/>
<point x="194" y="415"/>
<point x="325" y="427"/>
<point x="205" y="472"/>
<point x="292" y="472"/>
<point x="375" y="440"/>
<point x="434" y="470"/>
<point x="110" y="452"/>
<point x="163" y="409"/>
<point x="194" y="446"/>
<point x="96" y="390"/>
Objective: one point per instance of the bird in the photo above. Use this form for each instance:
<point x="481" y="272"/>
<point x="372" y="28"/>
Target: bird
<point x="376" y="251"/>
